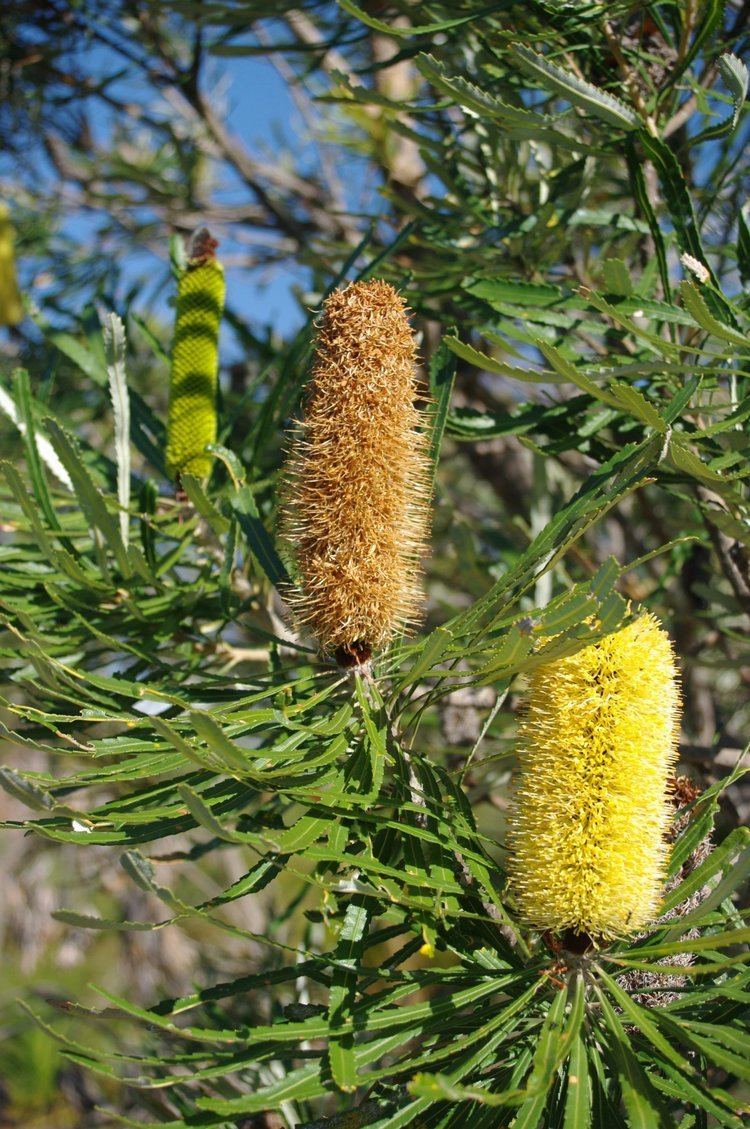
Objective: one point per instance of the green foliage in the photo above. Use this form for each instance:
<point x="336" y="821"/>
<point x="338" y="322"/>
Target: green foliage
<point x="159" y="704"/>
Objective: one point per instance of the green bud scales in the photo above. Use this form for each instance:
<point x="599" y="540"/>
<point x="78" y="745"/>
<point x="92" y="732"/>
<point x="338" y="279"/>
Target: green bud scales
<point x="195" y="361"/>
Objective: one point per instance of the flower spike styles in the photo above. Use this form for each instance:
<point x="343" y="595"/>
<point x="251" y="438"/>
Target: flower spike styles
<point x="598" y="741"/>
<point x="195" y="360"/>
<point x="11" y="306"/>
<point x="358" y="497"/>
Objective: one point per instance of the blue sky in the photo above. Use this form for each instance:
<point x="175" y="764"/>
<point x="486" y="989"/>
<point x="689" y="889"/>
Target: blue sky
<point x="262" y="112"/>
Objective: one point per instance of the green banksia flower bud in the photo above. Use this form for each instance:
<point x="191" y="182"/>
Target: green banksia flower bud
<point x="195" y="360"/>
<point x="356" y="514"/>
<point x="587" y="833"/>
<point x="11" y="307"/>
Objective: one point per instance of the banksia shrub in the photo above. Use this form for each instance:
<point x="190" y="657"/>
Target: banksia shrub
<point x="597" y="743"/>
<point x="358" y="494"/>
<point x="11" y="307"/>
<point x="195" y="361"/>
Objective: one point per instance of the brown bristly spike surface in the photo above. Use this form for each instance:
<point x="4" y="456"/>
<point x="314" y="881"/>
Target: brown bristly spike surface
<point x="358" y="497"/>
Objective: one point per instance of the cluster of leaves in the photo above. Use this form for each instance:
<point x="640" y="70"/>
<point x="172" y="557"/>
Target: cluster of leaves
<point x="144" y="656"/>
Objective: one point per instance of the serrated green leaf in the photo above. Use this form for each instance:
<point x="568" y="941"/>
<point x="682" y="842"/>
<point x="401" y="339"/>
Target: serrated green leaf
<point x="642" y="1104"/>
<point x="398" y="32"/>
<point x="486" y="106"/>
<point x="578" y="1097"/>
<point x="482" y="361"/>
<point x="678" y="1087"/>
<point x="731" y="853"/>
<point x="341" y="996"/>
<point x="113" y="333"/>
<point x="230" y="461"/>
<point x="617" y="277"/>
<point x="638" y="1016"/>
<point x="696" y="1036"/>
<point x="442" y="378"/>
<point x="88" y="921"/>
<point x="685" y="459"/>
<point x="697" y="944"/>
<point x="101" y="522"/>
<point x="696" y="304"/>
<point x="585" y="95"/>
<point x="616" y="395"/>
<point x="743" y="245"/>
<point x="247" y="513"/>
<point x="679" y="202"/>
<point x="735" y="75"/>
<point x="24" y="790"/>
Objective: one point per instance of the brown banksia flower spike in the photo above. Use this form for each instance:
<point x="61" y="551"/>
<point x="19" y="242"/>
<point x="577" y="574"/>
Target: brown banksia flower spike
<point x="356" y="514"/>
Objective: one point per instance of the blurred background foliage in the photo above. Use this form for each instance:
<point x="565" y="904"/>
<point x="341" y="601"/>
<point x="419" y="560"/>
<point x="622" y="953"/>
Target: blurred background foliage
<point x="531" y="176"/>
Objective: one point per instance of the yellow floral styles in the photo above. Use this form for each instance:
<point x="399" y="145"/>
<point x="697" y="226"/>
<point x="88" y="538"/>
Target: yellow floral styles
<point x="597" y="745"/>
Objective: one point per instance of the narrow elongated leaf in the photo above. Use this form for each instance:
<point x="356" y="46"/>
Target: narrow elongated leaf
<point x="341" y="996"/>
<point x="397" y="32"/>
<point x="100" y="520"/>
<point x="698" y="1037"/>
<point x="685" y="459"/>
<point x="698" y="944"/>
<point x="734" y="851"/>
<point x="578" y="1097"/>
<point x="622" y="396"/>
<point x="682" y="1089"/>
<point x="244" y="506"/>
<point x="46" y="450"/>
<point x="479" y="102"/>
<point x="205" y="507"/>
<point x="442" y="378"/>
<point x="681" y="209"/>
<point x="113" y="332"/>
<point x="488" y="364"/>
<point x="638" y="1016"/>
<point x="743" y="245"/>
<point x="695" y="303"/>
<point x="599" y="103"/>
<point x="735" y="75"/>
<point x="642" y="1103"/>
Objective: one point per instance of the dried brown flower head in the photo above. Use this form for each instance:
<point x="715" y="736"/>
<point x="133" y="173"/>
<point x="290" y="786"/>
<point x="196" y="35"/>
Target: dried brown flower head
<point x="356" y="514"/>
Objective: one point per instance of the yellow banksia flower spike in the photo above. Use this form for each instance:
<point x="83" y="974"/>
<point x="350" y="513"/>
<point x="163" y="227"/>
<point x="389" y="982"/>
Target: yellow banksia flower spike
<point x="358" y="494"/>
<point x="11" y="306"/>
<point x="598" y="741"/>
<point x="195" y="360"/>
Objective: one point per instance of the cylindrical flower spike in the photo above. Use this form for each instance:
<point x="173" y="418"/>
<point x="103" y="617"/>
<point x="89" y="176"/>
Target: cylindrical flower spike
<point x="11" y="306"/>
<point x="195" y="360"/>
<point x="591" y="809"/>
<point x="358" y="496"/>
